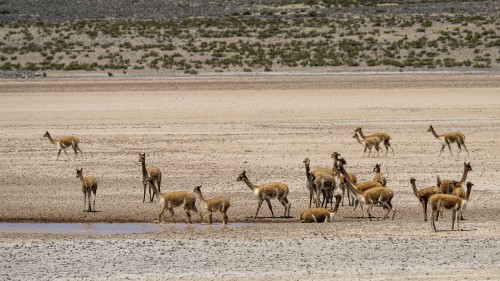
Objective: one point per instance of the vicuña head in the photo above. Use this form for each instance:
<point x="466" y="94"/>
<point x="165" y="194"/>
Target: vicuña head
<point x="335" y="155"/>
<point x="242" y="176"/>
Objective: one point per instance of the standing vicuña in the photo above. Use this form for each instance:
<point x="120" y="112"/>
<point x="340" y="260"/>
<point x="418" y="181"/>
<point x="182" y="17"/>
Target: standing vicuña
<point x="64" y="143"/>
<point x="449" y="202"/>
<point x="152" y="172"/>
<point x="383" y="136"/>
<point x="310" y="181"/>
<point x="448" y="138"/>
<point x="423" y="195"/>
<point x="325" y="184"/>
<point x="354" y="178"/>
<point x="445" y="185"/>
<point x="369" y="143"/>
<point x="173" y="199"/>
<point x="217" y="204"/>
<point x="267" y="192"/>
<point x="89" y="186"/>
<point x="317" y="175"/>
<point x="460" y="192"/>
<point x="381" y="195"/>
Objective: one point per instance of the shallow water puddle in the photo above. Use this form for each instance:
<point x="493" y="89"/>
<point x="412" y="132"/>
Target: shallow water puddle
<point x="107" y="228"/>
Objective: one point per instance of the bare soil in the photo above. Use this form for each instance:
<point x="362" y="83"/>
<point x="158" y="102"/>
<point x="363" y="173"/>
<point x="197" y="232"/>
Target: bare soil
<point x="205" y="130"/>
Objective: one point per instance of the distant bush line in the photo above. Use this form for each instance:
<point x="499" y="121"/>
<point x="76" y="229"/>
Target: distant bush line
<point x="245" y="42"/>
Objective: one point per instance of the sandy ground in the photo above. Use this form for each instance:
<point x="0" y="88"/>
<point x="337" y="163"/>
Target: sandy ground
<point x="205" y="130"/>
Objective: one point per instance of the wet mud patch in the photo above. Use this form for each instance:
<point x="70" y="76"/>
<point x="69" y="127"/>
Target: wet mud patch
<point x="109" y="228"/>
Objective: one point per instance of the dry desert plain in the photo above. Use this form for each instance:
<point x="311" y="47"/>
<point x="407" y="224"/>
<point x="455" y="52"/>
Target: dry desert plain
<point x="207" y="129"/>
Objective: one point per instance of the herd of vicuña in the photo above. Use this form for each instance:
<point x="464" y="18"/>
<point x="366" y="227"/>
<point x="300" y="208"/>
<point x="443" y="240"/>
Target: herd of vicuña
<point x="323" y="185"/>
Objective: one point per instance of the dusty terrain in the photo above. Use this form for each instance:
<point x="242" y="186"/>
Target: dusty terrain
<point x="205" y="130"/>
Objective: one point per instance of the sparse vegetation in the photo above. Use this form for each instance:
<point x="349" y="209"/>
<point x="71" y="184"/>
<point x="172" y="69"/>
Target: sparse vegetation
<point x="258" y="40"/>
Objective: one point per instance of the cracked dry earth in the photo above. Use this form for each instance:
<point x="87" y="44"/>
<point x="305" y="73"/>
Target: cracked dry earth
<point x="205" y="130"/>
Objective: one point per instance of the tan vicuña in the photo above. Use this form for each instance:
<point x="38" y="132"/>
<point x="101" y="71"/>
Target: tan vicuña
<point x="457" y="205"/>
<point x="89" y="187"/>
<point x="152" y="172"/>
<point x="423" y="195"/>
<point x="65" y="142"/>
<point x="267" y="192"/>
<point x="448" y="138"/>
<point x="174" y="199"/>
<point x="217" y="204"/>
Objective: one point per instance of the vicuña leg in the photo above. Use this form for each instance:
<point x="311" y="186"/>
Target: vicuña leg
<point x="59" y="153"/>
<point x="75" y="148"/>
<point x="165" y="207"/>
<point x="460" y="147"/>
<point x="258" y="207"/>
<point x="270" y="206"/>
<point x="84" y="201"/>
<point x="442" y="149"/>
<point x="456" y="217"/>
<point x="194" y="209"/>
<point x="287" y="205"/>
<point x="449" y="147"/>
<point x="466" y="149"/>
<point x="433" y="218"/>
<point x="89" y="197"/>
<point x="388" y="206"/>
<point x="95" y="193"/>
<point x="424" y="206"/>
<point x="186" y="208"/>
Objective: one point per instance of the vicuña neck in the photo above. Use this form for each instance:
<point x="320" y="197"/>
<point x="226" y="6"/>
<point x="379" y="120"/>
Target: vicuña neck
<point x="434" y="133"/>
<point x="335" y="163"/>
<point x="250" y="184"/>
<point x="414" y="187"/>
<point x="357" y="138"/>
<point x="144" y="171"/>
<point x="361" y="134"/>
<point x="51" y="139"/>
<point x="350" y="184"/>
<point x="467" y="194"/>
<point x="464" y="175"/>
<point x="308" y="170"/>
